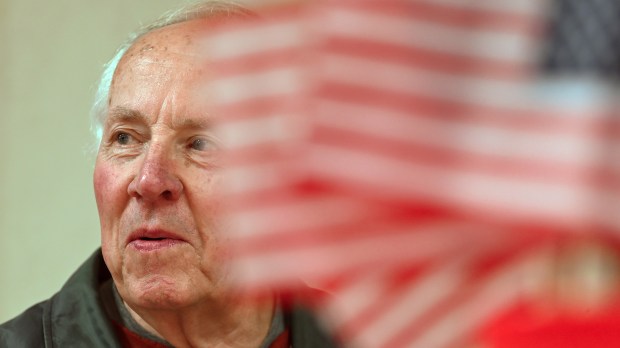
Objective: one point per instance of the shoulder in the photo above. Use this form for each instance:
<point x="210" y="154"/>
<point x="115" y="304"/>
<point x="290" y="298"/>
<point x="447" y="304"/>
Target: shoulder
<point x="25" y="330"/>
<point x="306" y="330"/>
<point x="74" y="317"/>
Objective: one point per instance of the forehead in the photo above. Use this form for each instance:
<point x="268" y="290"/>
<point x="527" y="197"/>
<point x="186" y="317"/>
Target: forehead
<point x="165" y="67"/>
<point x="175" y="46"/>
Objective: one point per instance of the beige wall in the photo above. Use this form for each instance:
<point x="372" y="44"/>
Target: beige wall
<point x="51" y="54"/>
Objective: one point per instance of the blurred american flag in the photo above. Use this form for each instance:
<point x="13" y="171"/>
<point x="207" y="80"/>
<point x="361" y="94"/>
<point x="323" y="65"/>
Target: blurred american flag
<point x="409" y="157"/>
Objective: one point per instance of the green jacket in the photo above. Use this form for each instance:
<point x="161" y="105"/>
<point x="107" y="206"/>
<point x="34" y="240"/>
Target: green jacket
<point x="76" y="317"/>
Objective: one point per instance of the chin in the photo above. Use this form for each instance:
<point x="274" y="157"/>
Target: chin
<point x="160" y="292"/>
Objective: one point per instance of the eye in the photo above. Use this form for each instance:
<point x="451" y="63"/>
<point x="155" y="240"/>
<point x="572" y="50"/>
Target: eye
<point x="199" y="144"/>
<point x="123" y="138"/>
<point x="202" y="149"/>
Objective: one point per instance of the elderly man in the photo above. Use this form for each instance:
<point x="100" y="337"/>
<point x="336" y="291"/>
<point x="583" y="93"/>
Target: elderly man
<point x="159" y="279"/>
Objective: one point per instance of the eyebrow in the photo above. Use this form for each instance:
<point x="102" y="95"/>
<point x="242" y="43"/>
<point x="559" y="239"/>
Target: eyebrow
<point x="123" y="114"/>
<point x="192" y="123"/>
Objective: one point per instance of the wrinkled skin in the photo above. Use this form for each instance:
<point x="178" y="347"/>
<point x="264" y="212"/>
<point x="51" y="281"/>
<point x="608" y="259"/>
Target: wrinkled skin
<point x="156" y="175"/>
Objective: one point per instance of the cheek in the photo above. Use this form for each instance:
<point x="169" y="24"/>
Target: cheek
<point x="107" y="187"/>
<point x="109" y="194"/>
<point x="207" y="200"/>
<point x="210" y="215"/>
<point x="100" y="183"/>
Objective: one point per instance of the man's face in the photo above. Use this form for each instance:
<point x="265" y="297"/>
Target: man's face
<point x="155" y="175"/>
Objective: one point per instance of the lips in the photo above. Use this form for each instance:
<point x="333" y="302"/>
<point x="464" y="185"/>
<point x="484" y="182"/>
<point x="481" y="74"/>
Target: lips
<point x="147" y="240"/>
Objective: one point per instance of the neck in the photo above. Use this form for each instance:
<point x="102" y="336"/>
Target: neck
<point x="237" y="323"/>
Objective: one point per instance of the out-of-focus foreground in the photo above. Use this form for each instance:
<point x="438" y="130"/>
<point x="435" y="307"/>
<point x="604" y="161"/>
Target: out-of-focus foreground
<point x="446" y="169"/>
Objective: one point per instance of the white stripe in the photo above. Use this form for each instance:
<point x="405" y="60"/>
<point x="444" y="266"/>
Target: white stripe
<point x="504" y="46"/>
<point x="311" y="213"/>
<point x="286" y="80"/>
<point x="491" y="295"/>
<point x="348" y="302"/>
<point x="431" y="289"/>
<point x="471" y="191"/>
<point x="408" y="79"/>
<point x="393" y="247"/>
<point x="575" y="92"/>
<point x="521" y="7"/>
<point x="278" y="129"/>
<point x="505" y="142"/>
<point x="239" y="181"/>
<point x="604" y="208"/>
<point x="261" y="37"/>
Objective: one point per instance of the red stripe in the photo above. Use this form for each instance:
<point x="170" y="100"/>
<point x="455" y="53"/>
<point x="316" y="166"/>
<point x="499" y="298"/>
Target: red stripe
<point x="474" y="18"/>
<point x="470" y="289"/>
<point x="392" y="292"/>
<point x="258" y="62"/>
<point x="586" y="122"/>
<point x="425" y="58"/>
<point x="412" y="151"/>
<point x="539" y="120"/>
<point x="467" y="17"/>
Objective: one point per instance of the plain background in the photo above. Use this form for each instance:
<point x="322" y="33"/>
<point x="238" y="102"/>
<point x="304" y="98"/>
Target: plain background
<point x="51" y="54"/>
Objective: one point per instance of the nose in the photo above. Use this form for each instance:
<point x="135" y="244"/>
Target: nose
<point x="156" y="179"/>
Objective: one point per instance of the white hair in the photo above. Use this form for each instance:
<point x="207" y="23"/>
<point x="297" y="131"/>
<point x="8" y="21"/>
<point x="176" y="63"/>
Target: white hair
<point x="204" y="9"/>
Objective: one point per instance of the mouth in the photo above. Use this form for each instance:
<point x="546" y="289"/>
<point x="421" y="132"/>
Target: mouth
<point x="145" y="240"/>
